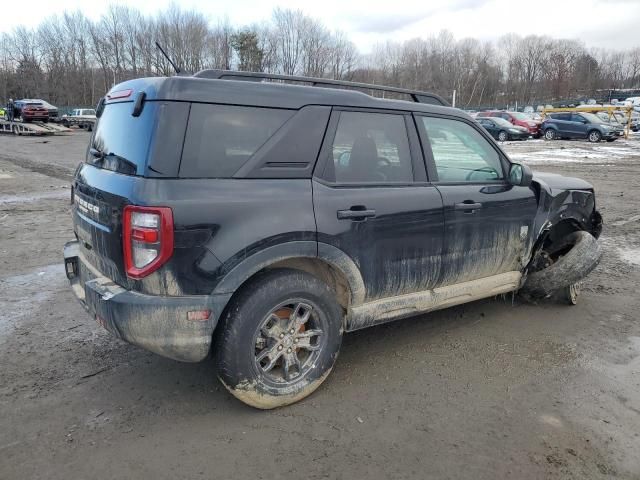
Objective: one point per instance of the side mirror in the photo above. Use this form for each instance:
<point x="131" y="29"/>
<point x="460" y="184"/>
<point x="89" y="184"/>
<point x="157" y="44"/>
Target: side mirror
<point x="520" y="175"/>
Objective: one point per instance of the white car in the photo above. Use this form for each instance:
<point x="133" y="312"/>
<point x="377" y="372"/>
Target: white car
<point x="82" y="117"/>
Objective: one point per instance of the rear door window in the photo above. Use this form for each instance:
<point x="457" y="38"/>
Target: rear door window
<point x="220" y="139"/>
<point x="371" y="148"/>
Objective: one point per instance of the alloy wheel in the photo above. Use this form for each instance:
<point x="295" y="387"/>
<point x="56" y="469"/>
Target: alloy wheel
<point x="288" y="342"/>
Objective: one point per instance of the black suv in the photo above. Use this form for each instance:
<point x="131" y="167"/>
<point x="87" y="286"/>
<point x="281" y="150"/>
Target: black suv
<point x="246" y="217"/>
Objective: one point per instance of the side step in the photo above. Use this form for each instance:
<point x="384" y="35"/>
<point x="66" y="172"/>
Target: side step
<point x="394" y="308"/>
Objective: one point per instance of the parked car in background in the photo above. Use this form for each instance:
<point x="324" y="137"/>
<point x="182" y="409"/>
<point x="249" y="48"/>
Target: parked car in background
<point x="633" y="101"/>
<point x="579" y="125"/>
<point x="622" y="119"/>
<point x="516" y="118"/>
<point x="51" y="109"/>
<point x="81" y="117"/>
<point x="535" y="116"/>
<point x="30" y="111"/>
<point x="635" y="121"/>
<point x="502" y="130"/>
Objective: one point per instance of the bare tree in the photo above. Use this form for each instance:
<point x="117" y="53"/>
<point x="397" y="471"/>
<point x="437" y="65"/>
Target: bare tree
<point x="71" y="60"/>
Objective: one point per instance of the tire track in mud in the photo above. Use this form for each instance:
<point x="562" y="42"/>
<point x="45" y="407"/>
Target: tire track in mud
<point x="48" y="169"/>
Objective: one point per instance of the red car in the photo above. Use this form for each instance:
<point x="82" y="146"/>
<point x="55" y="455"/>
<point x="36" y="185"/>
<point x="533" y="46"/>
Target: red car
<point x="516" y="118"/>
<point x="30" y="112"/>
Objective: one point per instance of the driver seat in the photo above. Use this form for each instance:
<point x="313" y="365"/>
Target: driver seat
<point x="362" y="160"/>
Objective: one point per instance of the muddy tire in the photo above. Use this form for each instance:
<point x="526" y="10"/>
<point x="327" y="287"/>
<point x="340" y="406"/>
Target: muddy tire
<point x="569" y="269"/>
<point x="279" y="338"/>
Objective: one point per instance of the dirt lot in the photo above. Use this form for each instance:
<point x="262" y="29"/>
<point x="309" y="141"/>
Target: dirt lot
<point x="492" y="389"/>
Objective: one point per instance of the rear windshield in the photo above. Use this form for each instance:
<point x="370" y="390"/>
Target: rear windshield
<point x="220" y="139"/>
<point x="122" y="135"/>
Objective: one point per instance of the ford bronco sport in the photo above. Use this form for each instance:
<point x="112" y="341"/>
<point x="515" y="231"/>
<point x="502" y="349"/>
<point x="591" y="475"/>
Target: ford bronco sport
<point x="257" y="217"/>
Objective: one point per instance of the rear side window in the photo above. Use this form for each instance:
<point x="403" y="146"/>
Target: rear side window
<point x="561" y="116"/>
<point x="220" y="139"/>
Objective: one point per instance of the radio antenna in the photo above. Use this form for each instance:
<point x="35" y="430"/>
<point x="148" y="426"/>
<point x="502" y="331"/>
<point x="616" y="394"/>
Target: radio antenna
<point x="178" y="71"/>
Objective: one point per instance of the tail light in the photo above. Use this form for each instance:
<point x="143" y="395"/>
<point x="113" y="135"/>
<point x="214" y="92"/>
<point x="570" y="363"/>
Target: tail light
<point x="147" y="239"/>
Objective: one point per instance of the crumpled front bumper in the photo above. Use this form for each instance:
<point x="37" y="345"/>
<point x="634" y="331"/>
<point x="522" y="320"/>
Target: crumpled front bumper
<point x="156" y="323"/>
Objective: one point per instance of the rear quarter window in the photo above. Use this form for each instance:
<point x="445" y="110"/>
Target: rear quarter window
<point x="220" y="139"/>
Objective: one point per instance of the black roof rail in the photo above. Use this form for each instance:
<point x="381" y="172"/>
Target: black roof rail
<point x="415" y="95"/>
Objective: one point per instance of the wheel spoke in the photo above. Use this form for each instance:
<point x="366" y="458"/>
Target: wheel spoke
<point x="271" y="332"/>
<point x="290" y="360"/>
<point x="300" y="315"/>
<point x="272" y="354"/>
<point x="305" y="338"/>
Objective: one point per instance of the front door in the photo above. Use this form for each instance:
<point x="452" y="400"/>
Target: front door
<point x="579" y="126"/>
<point x="372" y="201"/>
<point x="488" y="222"/>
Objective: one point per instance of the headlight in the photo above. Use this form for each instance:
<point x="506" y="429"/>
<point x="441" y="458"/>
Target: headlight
<point x="514" y="130"/>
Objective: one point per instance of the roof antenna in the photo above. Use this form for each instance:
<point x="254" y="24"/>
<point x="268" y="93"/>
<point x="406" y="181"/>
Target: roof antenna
<point x="178" y="71"/>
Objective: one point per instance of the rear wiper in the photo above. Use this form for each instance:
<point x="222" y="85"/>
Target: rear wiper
<point x="113" y="162"/>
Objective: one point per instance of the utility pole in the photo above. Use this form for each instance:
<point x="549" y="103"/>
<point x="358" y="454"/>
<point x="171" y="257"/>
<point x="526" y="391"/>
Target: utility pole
<point x="453" y="102"/>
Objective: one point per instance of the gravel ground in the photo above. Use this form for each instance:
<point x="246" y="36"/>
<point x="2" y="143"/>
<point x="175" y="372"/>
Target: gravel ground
<point x="493" y="389"/>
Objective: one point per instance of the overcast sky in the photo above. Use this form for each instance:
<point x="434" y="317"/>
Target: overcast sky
<point x="598" y="23"/>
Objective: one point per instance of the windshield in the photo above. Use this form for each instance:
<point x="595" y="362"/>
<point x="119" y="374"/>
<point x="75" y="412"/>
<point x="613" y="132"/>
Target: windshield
<point x="520" y="116"/>
<point x="501" y="122"/>
<point x="591" y="118"/>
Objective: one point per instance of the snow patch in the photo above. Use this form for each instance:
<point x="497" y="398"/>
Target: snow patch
<point x="630" y="255"/>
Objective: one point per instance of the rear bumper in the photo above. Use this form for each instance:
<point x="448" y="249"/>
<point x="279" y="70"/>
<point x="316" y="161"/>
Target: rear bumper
<point x="156" y="323"/>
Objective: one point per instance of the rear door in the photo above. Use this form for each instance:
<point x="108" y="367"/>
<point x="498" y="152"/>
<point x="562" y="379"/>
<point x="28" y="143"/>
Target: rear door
<point x="488" y="221"/>
<point x="372" y="200"/>
<point x="564" y="124"/>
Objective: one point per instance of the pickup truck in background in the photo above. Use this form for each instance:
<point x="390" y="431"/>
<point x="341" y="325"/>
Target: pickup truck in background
<point x="80" y="117"/>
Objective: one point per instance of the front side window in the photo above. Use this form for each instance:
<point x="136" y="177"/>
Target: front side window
<point x="220" y="139"/>
<point x="460" y="152"/>
<point x="371" y="148"/>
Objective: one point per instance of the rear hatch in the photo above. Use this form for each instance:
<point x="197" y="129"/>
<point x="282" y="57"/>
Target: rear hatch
<point x="115" y="171"/>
